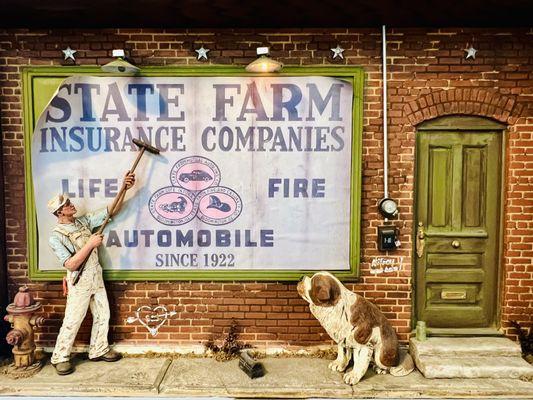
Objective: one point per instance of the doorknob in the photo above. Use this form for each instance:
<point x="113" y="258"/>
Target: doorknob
<point x="456" y="244"/>
<point x="420" y="240"/>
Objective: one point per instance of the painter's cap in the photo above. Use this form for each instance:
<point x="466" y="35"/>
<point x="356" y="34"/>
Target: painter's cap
<point x="56" y="202"/>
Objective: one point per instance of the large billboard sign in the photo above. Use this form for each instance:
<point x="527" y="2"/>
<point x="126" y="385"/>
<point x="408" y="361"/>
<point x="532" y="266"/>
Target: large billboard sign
<point x="254" y="173"/>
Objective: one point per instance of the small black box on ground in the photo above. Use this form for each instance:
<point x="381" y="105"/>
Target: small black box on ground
<point x="252" y="368"/>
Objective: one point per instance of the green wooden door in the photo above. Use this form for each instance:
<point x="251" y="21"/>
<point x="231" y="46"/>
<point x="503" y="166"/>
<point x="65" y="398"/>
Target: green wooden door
<point x="458" y="219"/>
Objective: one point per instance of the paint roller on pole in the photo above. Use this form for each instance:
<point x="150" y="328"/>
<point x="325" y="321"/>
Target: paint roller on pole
<point x="144" y="147"/>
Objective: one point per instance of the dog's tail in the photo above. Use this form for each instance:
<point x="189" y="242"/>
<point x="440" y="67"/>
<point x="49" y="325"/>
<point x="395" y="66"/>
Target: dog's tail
<point x="405" y="367"/>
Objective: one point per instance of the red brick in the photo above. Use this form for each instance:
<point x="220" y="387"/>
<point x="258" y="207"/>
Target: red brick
<point x="424" y="84"/>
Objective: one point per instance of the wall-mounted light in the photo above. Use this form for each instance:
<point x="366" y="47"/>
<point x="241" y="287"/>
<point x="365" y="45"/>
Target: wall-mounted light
<point x="264" y="63"/>
<point x="120" y="65"/>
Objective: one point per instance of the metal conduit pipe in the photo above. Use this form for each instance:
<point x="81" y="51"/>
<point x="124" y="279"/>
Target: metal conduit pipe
<point x="387" y="207"/>
<point x="385" y="130"/>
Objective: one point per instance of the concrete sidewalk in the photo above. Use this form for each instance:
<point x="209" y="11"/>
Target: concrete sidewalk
<point x="206" y="377"/>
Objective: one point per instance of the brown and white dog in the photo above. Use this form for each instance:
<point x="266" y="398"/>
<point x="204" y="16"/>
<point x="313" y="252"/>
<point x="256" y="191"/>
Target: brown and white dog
<point x="357" y="326"/>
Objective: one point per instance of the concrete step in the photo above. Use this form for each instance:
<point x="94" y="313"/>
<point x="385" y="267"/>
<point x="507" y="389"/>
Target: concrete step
<point x="478" y="357"/>
<point x="465" y="346"/>
<point x="474" y="367"/>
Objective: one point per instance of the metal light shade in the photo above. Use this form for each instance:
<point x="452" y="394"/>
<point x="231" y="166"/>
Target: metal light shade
<point x="264" y="64"/>
<point x="120" y="66"/>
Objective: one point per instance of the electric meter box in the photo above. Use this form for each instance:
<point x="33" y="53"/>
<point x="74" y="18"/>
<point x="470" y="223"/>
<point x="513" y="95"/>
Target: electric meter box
<point x="387" y="237"/>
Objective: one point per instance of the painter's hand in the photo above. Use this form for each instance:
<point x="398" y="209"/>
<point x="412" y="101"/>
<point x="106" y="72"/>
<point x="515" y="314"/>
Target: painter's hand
<point x="95" y="240"/>
<point x="129" y="180"/>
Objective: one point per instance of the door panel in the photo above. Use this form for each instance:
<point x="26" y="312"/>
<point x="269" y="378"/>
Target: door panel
<point x="440" y="186"/>
<point x="474" y="186"/>
<point x="458" y="206"/>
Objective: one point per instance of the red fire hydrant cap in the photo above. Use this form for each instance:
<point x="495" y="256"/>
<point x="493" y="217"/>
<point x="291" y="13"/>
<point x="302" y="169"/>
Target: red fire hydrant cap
<point x="23" y="302"/>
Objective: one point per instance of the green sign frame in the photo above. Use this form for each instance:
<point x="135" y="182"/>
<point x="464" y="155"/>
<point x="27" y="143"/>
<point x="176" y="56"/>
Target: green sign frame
<point x="40" y="83"/>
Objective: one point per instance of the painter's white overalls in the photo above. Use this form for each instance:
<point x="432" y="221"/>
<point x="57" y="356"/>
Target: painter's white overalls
<point x="88" y="292"/>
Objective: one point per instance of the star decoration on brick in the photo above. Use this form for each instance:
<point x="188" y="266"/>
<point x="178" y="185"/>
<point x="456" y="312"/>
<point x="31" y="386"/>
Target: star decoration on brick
<point x="337" y="51"/>
<point x="69" y="53"/>
<point x="470" y="52"/>
<point x="202" y="53"/>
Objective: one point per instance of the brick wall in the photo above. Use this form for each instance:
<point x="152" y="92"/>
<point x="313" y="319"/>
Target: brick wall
<point x="428" y="77"/>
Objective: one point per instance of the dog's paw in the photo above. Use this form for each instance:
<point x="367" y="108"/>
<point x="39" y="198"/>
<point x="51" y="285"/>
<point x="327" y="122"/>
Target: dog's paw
<point x="352" y="377"/>
<point x="338" y="365"/>
<point x="378" y="370"/>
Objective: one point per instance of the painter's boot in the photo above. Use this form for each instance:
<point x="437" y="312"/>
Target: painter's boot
<point x="64" y="368"/>
<point x="110" y="356"/>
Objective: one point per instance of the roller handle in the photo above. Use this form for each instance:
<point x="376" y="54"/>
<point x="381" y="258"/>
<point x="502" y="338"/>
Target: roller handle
<point x="110" y="213"/>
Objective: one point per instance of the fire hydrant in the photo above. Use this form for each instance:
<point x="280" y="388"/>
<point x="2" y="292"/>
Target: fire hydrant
<point x="21" y="337"/>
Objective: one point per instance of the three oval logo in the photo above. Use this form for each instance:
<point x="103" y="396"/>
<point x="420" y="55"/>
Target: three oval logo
<point x="195" y="192"/>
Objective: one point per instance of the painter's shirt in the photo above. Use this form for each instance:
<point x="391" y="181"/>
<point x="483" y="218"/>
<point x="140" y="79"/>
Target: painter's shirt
<point x="68" y="239"/>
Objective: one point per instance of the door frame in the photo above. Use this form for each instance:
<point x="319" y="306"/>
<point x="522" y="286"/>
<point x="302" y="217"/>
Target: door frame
<point x="464" y="123"/>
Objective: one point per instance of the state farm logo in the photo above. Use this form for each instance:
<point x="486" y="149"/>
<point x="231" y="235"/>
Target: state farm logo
<point x="195" y="192"/>
<point x="218" y="205"/>
<point x="172" y="206"/>
<point x="195" y="174"/>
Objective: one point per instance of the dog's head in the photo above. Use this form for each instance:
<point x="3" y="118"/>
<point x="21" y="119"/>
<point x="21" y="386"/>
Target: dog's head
<point x="322" y="289"/>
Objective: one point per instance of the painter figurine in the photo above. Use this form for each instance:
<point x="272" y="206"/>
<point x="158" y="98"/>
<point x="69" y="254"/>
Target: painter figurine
<point x="76" y="247"/>
<point x="357" y="326"/>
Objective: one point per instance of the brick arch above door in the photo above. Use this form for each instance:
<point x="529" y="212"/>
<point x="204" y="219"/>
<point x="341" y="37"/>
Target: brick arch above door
<point x="469" y="101"/>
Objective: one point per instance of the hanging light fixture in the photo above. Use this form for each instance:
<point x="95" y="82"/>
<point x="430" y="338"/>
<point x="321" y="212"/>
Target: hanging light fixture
<point x="264" y="63"/>
<point x="120" y="65"/>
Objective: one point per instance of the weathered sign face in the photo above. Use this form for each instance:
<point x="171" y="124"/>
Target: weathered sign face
<point x="254" y="173"/>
